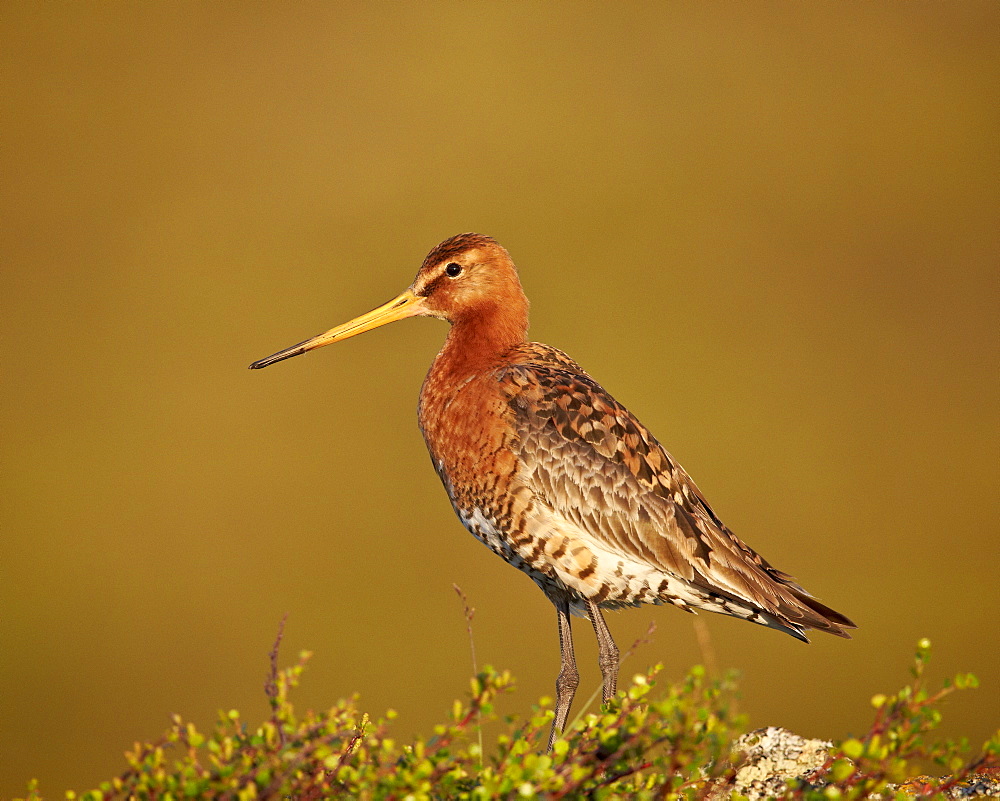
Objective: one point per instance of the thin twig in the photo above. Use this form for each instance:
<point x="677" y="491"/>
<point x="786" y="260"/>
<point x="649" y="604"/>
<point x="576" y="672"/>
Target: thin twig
<point x="704" y="639"/>
<point x="645" y="639"/>
<point x="271" y="685"/>
<point x="469" y="614"/>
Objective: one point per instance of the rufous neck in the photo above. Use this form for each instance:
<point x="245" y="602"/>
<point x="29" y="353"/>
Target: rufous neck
<point x="480" y="340"/>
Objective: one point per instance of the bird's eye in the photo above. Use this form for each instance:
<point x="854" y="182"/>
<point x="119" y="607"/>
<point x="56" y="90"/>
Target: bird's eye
<point x="453" y="269"/>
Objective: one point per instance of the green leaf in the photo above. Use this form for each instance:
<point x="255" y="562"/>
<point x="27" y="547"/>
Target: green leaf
<point x="852" y="748"/>
<point x="841" y="769"/>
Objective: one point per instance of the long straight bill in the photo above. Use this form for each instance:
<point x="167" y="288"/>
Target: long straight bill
<point x="406" y="305"/>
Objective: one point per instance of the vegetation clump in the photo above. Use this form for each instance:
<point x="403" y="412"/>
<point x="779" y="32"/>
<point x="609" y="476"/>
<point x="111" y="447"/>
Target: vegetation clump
<point x="653" y="742"/>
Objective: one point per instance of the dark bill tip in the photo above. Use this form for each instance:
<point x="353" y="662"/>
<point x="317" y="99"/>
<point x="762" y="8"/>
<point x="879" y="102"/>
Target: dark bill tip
<point x="280" y="356"/>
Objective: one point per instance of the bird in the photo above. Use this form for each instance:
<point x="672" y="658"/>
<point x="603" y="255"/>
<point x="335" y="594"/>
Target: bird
<point x="559" y="479"/>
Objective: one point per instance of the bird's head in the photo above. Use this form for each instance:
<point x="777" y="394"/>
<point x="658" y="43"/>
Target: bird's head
<point x="468" y="279"/>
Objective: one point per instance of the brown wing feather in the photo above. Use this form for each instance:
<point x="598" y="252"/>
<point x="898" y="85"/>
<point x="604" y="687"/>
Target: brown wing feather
<point x="594" y="463"/>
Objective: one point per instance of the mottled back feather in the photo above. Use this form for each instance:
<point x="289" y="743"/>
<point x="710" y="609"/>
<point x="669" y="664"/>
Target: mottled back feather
<point x="592" y="462"/>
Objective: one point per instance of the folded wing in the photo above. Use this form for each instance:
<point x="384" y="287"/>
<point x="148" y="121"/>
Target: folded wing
<point x="592" y="462"/>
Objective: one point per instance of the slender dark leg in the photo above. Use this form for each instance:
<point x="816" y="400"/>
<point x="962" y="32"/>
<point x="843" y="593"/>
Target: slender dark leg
<point x="607" y="651"/>
<point x="568" y="678"/>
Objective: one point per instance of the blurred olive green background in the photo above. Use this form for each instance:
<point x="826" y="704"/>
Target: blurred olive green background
<point x="771" y="230"/>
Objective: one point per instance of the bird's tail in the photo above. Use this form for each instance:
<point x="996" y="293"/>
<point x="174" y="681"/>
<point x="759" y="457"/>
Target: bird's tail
<point x="798" y="610"/>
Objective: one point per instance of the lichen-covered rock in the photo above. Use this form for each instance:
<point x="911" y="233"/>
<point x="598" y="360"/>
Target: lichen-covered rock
<point x="981" y="784"/>
<point x="770" y="757"/>
<point x="766" y="759"/>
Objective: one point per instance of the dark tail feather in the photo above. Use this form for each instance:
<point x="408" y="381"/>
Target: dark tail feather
<point x="805" y="612"/>
<point x="818" y="616"/>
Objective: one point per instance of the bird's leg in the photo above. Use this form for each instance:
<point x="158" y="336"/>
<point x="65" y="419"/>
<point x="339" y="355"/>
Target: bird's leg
<point x="607" y="651"/>
<point x="568" y="678"/>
